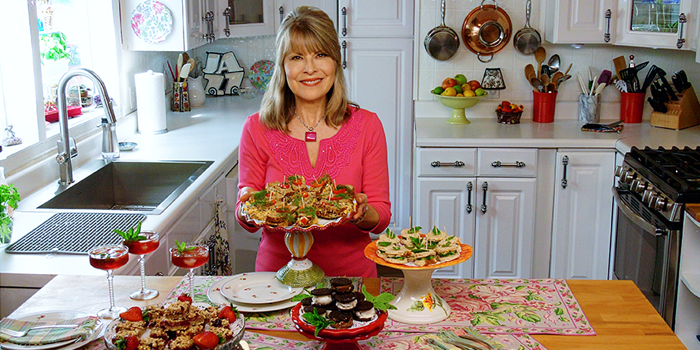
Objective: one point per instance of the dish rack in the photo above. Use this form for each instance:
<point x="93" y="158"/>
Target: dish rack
<point x="681" y="114"/>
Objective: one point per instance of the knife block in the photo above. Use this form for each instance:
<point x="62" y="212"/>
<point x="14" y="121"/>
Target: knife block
<point x="681" y="114"/>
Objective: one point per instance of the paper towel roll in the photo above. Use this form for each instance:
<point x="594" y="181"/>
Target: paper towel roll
<point x="150" y="102"/>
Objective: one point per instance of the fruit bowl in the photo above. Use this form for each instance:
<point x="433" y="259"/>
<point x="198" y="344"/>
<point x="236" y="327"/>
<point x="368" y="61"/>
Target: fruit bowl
<point x="509" y="117"/>
<point x="458" y="104"/>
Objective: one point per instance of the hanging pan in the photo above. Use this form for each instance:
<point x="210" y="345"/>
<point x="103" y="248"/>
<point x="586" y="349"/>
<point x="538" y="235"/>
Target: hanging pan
<point x="527" y="40"/>
<point x="442" y="41"/>
<point x="486" y="30"/>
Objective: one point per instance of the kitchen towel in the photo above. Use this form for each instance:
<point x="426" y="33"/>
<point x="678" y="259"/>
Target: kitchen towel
<point x="150" y="102"/>
<point x="48" y="336"/>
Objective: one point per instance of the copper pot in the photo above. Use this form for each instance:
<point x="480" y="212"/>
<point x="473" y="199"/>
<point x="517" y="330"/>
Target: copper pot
<point x="486" y="30"/>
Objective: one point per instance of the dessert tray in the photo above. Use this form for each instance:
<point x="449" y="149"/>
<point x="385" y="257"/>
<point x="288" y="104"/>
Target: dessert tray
<point x="417" y="303"/>
<point x="336" y="339"/>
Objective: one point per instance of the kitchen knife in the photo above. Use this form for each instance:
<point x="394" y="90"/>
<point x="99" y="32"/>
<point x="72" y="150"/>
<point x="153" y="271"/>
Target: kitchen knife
<point x="651" y="74"/>
<point x="684" y="79"/>
<point x="677" y="83"/>
<point x="657" y="92"/>
<point x="662" y="75"/>
<point x="657" y="106"/>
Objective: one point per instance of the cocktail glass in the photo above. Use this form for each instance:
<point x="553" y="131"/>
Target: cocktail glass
<point x="109" y="258"/>
<point x="141" y="248"/>
<point x="191" y="257"/>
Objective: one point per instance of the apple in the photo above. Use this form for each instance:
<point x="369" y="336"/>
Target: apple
<point x="448" y="82"/>
<point x="474" y="84"/>
<point x="461" y="79"/>
<point x="480" y="92"/>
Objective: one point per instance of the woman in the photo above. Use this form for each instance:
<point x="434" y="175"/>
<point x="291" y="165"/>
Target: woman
<point x="306" y="126"/>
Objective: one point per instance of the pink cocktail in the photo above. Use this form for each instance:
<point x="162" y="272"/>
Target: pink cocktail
<point x="189" y="256"/>
<point x="108" y="258"/>
<point x="141" y="247"/>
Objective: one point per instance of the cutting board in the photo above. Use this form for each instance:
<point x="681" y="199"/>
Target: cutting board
<point x="693" y="210"/>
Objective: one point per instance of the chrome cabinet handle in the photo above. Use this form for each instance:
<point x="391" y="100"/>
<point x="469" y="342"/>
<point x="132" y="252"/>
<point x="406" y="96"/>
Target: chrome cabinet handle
<point x="681" y="25"/>
<point x="517" y="164"/>
<point x="565" y="162"/>
<point x="345" y="54"/>
<point x="608" y="16"/>
<point x="485" y="187"/>
<point x="209" y="19"/>
<point x="227" y="15"/>
<point x="469" y="197"/>
<point x="281" y="14"/>
<point x="344" y="12"/>
<point x="437" y="164"/>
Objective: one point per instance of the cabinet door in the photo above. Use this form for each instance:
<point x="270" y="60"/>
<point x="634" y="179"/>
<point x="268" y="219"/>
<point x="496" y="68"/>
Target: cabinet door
<point x="236" y="18"/>
<point x="449" y="204"/>
<point x="284" y="7"/>
<point x="655" y="24"/>
<point x="583" y="208"/>
<point x="579" y="21"/>
<point x="379" y="78"/>
<point x="505" y="227"/>
<point x="375" y="19"/>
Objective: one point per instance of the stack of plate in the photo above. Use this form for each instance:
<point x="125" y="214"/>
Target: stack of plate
<point x="253" y="292"/>
<point x="54" y="316"/>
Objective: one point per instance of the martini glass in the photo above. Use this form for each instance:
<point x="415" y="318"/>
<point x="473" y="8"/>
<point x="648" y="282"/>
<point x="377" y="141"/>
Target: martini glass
<point x="141" y="248"/>
<point x="109" y="258"/>
<point x="191" y="257"/>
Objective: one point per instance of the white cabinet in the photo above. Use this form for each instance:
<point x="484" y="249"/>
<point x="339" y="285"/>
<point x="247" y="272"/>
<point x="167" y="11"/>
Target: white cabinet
<point x="284" y="7"/>
<point x="186" y="20"/>
<point x="583" y="209"/>
<point x="236" y="18"/>
<point x="376" y="40"/>
<point x="688" y="302"/>
<point x="487" y="198"/>
<point x="244" y="247"/>
<point x="622" y="22"/>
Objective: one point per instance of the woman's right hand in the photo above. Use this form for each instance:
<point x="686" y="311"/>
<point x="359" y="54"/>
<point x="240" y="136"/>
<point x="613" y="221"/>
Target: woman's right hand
<point x="243" y="195"/>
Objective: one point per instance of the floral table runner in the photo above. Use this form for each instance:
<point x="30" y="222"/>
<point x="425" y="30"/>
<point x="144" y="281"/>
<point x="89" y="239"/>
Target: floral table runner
<point x="500" y="306"/>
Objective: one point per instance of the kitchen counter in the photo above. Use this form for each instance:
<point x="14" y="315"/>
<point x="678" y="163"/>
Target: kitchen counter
<point x="620" y="314"/>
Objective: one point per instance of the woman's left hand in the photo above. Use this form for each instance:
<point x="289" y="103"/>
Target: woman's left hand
<point x="362" y="208"/>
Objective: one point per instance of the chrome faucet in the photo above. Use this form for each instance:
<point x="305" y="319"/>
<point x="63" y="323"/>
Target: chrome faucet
<point x="66" y="145"/>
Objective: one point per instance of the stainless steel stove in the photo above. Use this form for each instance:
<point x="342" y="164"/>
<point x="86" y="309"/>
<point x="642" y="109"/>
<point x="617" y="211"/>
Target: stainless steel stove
<point x="653" y="186"/>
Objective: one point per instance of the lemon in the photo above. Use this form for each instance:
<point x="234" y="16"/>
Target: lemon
<point x="458" y="89"/>
<point x="459" y="95"/>
<point x="469" y="93"/>
<point x="438" y="90"/>
<point x="450" y="91"/>
<point x="466" y="87"/>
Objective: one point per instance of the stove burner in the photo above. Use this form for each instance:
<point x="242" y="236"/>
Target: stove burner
<point x="678" y="170"/>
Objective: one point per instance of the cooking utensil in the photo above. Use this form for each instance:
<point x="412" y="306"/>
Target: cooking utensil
<point x="677" y="84"/>
<point x="493" y="37"/>
<point x="568" y="69"/>
<point x="605" y="77"/>
<point x="22" y="333"/>
<point x="540" y="56"/>
<point x="651" y="74"/>
<point x="684" y="79"/>
<point x="621" y="85"/>
<point x="442" y="42"/>
<point x="599" y="89"/>
<point x="551" y="87"/>
<point x="662" y="75"/>
<point x="530" y="71"/>
<point x="620" y="64"/>
<point x="185" y="71"/>
<point x="593" y="86"/>
<point x="656" y="105"/>
<point x="527" y="39"/>
<point x="582" y="84"/>
<point x="537" y="84"/>
<point x="179" y="66"/>
<point x="554" y="63"/>
<point x="544" y="78"/>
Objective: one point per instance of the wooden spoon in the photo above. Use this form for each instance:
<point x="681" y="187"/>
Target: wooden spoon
<point x="540" y="56"/>
<point x="544" y="78"/>
<point x="529" y="71"/>
<point x="556" y="76"/>
<point x="537" y="84"/>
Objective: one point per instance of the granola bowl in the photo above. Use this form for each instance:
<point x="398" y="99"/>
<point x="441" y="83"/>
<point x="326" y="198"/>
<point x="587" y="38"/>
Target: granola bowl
<point x="203" y="319"/>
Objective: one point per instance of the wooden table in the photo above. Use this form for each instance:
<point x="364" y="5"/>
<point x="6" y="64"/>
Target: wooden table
<point x="617" y="310"/>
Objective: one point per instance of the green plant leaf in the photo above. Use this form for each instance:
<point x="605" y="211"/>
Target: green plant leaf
<point x="381" y="302"/>
<point x="316" y="320"/>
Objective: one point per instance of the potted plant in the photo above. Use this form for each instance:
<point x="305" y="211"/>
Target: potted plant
<point x="9" y="197"/>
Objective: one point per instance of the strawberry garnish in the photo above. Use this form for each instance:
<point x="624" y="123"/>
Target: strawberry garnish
<point x="133" y="314"/>
<point x="130" y="342"/>
<point x="228" y="313"/>
<point x="206" y="340"/>
<point x="185" y="297"/>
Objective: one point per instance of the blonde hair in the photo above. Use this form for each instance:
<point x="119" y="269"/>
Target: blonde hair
<point x="304" y="29"/>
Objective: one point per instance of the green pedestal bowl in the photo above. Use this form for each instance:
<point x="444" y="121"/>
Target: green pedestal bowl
<point x="458" y="105"/>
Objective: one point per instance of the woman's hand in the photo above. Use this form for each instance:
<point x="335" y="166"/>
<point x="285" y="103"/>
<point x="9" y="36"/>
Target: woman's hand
<point x="365" y="217"/>
<point x="243" y="196"/>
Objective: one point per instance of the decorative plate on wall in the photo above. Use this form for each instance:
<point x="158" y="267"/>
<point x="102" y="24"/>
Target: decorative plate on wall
<point x="151" y="21"/>
<point x="260" y="73"/>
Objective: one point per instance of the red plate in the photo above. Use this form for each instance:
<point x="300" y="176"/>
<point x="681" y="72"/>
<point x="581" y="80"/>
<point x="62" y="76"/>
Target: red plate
<point x="330" y="334"/>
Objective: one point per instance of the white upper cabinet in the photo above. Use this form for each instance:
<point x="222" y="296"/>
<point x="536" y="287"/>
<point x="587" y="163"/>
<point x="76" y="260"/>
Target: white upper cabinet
<point x="642" y="23"/>
<point x="375" y="19"/>
<point x="241" y="18"/>
<point x="284" y="7"/>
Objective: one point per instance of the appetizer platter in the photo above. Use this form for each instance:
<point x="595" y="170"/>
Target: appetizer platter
<point x="417" y="302"/>
<point x="298" y="204"/>
<point x="180" y="325"/>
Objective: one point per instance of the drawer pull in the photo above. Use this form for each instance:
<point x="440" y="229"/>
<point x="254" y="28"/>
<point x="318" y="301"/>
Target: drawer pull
<point x="485" y="187"/>
<point x="344" y="12"/>
<point x="345" y="54"/>
<point x="564" y="162"/>
<point x="437" y="164"/>
<point x="469" y="197"/>
<point x="517" y="164"/>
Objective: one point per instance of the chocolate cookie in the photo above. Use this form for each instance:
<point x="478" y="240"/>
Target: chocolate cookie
<point x="345" y="301"/>
<point x="343" y="320"/>
<point x="364" y="311"/>
<point x="341" y="285"/>
<point x="322" y="296"/>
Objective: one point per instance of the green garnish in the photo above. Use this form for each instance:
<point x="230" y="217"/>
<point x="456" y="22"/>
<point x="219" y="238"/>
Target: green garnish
<point x="383" y="244"/>
<point x="317" y="321"/>
<point x="182" y="247"/>
<point x="381" y="301"/>
<point x="414" y="229"/>
<point x="390" y="233"/>
<point x="417" y="242"/>
<point x="132" y="234"/>
<point x="435" y="231"/>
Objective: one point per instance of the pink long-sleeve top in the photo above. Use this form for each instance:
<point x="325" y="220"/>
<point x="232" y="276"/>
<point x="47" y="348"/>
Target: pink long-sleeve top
<point x="355" y="155"/>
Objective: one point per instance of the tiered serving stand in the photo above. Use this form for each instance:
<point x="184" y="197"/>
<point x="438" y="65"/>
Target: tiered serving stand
<point x="339" y="339"/>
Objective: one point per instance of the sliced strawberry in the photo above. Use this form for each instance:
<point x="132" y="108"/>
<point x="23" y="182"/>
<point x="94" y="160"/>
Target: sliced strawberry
<point x="185" y="297"/>
<point x="206" y="340"/>
<point x="228" y="313"/>
<point x="134" y="314"/>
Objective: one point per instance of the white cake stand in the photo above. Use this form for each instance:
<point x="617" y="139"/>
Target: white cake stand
<point x="417" y="302"/>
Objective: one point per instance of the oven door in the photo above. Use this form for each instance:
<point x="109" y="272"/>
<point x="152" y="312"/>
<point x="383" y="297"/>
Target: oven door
<point x="647" y="251"/>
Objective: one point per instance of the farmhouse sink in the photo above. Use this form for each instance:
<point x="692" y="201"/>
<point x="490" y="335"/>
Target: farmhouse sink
<point x="143" y="186"/>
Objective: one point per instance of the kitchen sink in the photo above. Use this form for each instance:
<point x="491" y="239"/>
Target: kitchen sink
<point x="143" y="186"/>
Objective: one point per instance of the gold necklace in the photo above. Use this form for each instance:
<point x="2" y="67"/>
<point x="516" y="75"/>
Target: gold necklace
<point x="309" y="136"/>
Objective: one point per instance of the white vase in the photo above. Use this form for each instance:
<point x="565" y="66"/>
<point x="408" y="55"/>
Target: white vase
<point x="197" y="95"/>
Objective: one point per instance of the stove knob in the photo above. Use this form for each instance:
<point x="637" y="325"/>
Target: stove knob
<point x="642" y="186"/>
<point x="618" y="170"/>
<point x="635" y="185"/>
<point x="647" y="196"/>
<point x="660" y="203"/>
<point x="626" y="177"/>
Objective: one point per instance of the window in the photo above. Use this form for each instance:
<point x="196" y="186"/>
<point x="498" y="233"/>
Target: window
<point x="41" y="40"/>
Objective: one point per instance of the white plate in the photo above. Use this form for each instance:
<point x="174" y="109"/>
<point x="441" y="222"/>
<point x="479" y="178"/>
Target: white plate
<point x="257" y="288"/>
<point x="214" y="294"/>
<point x="56" y="316"/>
